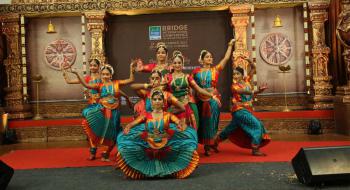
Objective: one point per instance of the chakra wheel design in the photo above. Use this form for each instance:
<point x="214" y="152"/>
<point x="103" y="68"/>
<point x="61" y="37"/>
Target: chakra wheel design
<point x="60" y="54"/>
<point x="276" y="49"/>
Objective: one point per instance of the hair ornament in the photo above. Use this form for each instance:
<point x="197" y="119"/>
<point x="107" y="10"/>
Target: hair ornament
<point x="109" y="67"/>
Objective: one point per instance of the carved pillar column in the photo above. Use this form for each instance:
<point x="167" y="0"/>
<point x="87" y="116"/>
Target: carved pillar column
<point x="342" y="97"/>
<point x="320" y="56"/>
<point x="240" y="21"/>
<point x="97" y="27"/>
<point x="15" y="102"/>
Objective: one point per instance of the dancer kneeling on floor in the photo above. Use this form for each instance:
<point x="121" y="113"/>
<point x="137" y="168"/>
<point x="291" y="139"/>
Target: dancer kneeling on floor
<point x="157" y="144"/>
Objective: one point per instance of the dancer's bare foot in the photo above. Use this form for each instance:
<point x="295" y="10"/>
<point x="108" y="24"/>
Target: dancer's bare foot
<point x="92" y="157"/>
<point x="206" y="150"/>
<point x="105" y="160"/>
<point x="256" y="152"/>
<point x="105" y="157"/>
<point x="215" y="145"/>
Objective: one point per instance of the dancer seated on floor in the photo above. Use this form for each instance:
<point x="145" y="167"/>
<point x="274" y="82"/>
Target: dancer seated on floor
<point x="180" y="85"/>
<point x="157" y="144"/>
<point x="244" y="130"/>
<point x="103" y="121"/>
<point x="144" y="90"/>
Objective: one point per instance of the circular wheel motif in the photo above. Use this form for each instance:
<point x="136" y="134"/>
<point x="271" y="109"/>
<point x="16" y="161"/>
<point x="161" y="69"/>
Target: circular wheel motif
<point x="276" y="49"/>
<point x="60" y="54"/>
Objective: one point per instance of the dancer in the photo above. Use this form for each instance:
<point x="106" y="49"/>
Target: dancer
<point x="93" y="97"/>
<point x="144" y="90"/>
<point x="157" y="144"/>
<point x="93" y="78"/>
<point x="161" y="65"/>
<point x="245" y="130"/>
<point x="207" y="77"/>
<point x="180" y="84"/>
<point x="103" y="121"/>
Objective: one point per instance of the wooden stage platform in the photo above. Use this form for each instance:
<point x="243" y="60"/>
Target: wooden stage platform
<point x="294" y="122"/>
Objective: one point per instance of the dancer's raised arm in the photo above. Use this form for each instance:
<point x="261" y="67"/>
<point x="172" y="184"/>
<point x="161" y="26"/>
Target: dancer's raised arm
<point x="68" y="80"/>
<point x="252" y="69"/>
<point x="82" y="81"/>
<point x="227" y="56"/>
<point x="131" y="77"/>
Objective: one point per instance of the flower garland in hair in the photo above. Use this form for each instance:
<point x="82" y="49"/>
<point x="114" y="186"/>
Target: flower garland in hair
<point x="178" y="54"/>
<point x="200" y="56"/>
<point x="161" y="45"/>
<point x="107" y="66"/>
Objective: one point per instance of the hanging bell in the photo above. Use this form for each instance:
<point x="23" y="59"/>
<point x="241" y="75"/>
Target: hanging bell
<point x="51" y="28"/>
<point x="277" y="22"/>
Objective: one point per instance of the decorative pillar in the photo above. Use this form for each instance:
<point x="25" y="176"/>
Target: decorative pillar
<point x="97" y="27"/>
<point x="240" y="21"/>
<point x="342" y="97"/>
<point x="16" y="101"/>
<point x="320" y="56"/>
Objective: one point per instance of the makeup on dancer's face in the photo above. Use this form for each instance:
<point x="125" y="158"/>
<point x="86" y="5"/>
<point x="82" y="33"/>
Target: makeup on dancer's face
<point x="237" y="75"/>
<point x="155" y="79"/>
<point x="93" y="66"/>
<point x="177" y="63"/>
<point x="208" y="58"/>
<point x="106" y="75"/>
<point x="161" y="54"/>
<point x="157" y="101"/>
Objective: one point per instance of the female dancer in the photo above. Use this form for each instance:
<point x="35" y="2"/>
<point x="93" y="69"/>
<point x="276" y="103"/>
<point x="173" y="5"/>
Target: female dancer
<point x="207" y="78"/>
<point x="245" y="130"/>
<point x="145" y="90"/>
<point x="94" y="78"/>
<point x="157" y="144"/>
<point x="93" y="98"/>
<point x="161" y="65"/>
<point x="179" y="85"/>
<point x="103" y="121"/>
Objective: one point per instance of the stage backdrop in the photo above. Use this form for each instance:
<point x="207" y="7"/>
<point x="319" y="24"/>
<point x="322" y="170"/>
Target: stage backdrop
<point x="292" y="20"/>
<point x="131" y="37"/>
<point x="53" y="87"/>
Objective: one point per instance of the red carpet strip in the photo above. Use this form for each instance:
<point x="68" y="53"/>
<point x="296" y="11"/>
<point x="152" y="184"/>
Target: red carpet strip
<point x="277" y="151"/>
<point x="305" y="114"/>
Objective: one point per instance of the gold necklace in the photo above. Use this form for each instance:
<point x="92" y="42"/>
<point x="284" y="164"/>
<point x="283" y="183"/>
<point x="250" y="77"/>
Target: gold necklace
<point x="204" y="79"/>
<point x="156" y="126"/>
<point x="107" y="89"/>
<point x="178" y="87"/>
<point x="160" y="67"/>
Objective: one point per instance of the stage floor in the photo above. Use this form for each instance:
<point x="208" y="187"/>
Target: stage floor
<point x="66" y="144"/>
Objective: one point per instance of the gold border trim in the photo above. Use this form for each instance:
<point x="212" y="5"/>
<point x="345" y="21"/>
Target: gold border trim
<point x="136" y="7"/>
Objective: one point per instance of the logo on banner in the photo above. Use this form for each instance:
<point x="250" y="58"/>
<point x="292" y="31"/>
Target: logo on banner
<point x="155" y="33"/>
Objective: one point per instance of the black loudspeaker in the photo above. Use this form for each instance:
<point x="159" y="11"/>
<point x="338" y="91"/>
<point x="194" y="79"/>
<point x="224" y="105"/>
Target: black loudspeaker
<point x="6" y="173"/>
<point x="323" y="164"/>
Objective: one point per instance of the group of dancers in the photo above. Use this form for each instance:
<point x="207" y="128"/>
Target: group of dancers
<point x="176" y="112"/>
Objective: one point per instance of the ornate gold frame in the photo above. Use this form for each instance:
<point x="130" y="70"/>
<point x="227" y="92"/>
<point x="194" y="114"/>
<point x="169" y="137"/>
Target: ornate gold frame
<point x="132" y="7"/>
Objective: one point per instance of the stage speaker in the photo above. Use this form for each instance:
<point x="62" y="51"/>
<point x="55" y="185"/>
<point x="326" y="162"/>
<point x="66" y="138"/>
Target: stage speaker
<point x="323" y="164"/>
<point x="6" y="173"/>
